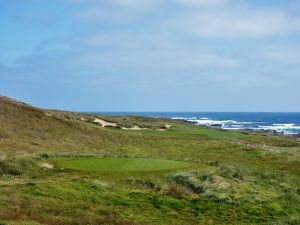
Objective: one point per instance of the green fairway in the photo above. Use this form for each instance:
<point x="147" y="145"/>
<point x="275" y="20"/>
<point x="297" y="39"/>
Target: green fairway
<point x="122" y="164"/>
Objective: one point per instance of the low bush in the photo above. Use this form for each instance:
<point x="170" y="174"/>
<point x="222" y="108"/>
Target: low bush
<point x="218" y="184"/>
<point x="178" y="191"/>
<point x="147" y="182"/>
<point x="188" y="180"/>
<point x="14" y="166"/>
<point x="231" y="173"/>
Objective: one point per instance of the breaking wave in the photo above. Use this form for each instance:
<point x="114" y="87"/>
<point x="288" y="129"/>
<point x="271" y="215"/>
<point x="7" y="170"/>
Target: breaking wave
<point x="288" y="128"/>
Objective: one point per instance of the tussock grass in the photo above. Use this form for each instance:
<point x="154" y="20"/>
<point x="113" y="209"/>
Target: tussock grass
<point x="15" y="166"/>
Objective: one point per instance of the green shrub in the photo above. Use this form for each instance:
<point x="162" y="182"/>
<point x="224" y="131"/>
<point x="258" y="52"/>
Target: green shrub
<point x="16" y="166"/>
<point x="147" y="182"/>
<point x="188" y="180"/>
<point x="231" y="173"/>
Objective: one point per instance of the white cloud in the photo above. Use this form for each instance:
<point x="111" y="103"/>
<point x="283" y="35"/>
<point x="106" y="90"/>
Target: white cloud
<point x="202" y="18"/>
<point x="157" y="60"/>
<point x="118" y="10"/>
<point x="202" y="3"/>
<point x="238" y="23"/>
<point x="142" y="50"/>
<point x="138" y="4"/>
<point x="95" y="14"/>
<point x="134" y="4"/>
<point x="282" y="54"/>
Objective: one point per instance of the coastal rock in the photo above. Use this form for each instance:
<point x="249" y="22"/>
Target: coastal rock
<point x="216" y="125"/>
<point x="262" y="132"/>
<point x="295" y="136"/>
<point x="270" y="132"/>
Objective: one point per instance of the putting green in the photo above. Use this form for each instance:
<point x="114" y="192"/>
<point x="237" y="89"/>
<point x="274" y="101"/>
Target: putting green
<point x="122" y="164"/>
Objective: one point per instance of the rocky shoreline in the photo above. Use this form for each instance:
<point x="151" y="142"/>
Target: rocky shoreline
<point x="270" y="132"/>
<point x="252" y="131"/>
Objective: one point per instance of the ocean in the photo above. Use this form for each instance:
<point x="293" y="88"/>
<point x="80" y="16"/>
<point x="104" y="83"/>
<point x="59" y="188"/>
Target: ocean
<point x="288" y="123"/>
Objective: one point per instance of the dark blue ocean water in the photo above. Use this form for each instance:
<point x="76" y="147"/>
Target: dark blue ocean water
<point x="282" y="122"/>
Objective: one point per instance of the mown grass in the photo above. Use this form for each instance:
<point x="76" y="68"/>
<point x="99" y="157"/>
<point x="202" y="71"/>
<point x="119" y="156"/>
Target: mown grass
<point x="238" y="178"/>
<point x="121" y="164"/>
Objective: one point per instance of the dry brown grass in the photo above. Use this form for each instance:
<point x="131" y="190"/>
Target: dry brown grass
<point x="178" y="191"/>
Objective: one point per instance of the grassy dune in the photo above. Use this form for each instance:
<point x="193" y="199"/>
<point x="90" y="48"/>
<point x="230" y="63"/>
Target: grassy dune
<point x="235" y="178"/>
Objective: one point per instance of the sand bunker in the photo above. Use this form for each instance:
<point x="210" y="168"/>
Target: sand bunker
<point x="135" y="128"/>
<point x="46" y="165"/>
<point x="104" y="123"/>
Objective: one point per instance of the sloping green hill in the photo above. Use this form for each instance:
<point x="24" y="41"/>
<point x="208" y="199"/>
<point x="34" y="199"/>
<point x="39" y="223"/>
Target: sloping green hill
<point x="24" y="127"/>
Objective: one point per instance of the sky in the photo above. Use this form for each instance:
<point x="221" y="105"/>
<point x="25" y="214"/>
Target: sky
<point x="152" y="55"/>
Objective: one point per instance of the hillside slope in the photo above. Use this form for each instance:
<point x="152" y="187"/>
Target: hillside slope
<point x="24" y="127"/>
<point x="27" y="128"/>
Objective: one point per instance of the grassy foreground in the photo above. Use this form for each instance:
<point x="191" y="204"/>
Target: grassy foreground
<point x="235" y="178"/>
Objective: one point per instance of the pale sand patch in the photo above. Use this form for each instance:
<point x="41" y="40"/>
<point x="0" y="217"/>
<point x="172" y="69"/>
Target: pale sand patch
<point x="104" y="123"/>
<point x="135" y="128"/>
<point x="48" y="114"/>
<point x="168" y="126"/>
<point x="46" y="165"/>
<point x="144" y="128"/>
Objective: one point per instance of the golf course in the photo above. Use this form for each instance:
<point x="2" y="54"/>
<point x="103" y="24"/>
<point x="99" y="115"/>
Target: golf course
<point x="60" y="168"/>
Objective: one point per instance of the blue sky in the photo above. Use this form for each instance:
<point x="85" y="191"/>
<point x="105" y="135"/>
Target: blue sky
<point x="152" y="55"/>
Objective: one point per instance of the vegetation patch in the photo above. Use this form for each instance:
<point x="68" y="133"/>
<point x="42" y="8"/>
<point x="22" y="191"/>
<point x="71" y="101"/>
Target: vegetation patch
<point x="122" y="164"/>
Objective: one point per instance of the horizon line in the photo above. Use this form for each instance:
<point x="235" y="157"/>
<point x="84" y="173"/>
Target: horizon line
<point x="93" y="111"/>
